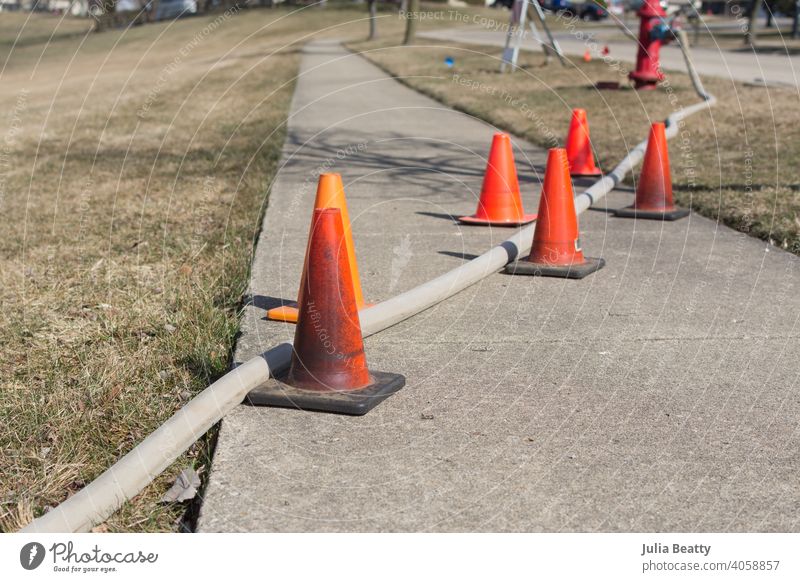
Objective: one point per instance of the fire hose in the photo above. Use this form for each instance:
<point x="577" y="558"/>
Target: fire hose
<point x="134" y="471"/>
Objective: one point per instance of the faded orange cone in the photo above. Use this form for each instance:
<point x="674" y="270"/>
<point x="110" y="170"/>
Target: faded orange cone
<point x="556" y="249"/>
<point x="654" y="191"/>
<point x="500" y="203"/>
<point x="328" y="371"/>
<point x="579" y="146"/>
<point x="330" y="194"/>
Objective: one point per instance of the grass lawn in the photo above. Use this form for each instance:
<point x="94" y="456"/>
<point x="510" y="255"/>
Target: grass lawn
<point x="19" y="29"/>
<point x="736" y="163"/>
<point x="134" y="171"/>
<point x="135" y="167"/>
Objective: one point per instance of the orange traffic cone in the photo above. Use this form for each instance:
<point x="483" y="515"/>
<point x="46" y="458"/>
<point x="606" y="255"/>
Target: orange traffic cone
<point x="330" y="194"/>
<point x="556" y="249"/>
<point x="328" y="371"/>
<point x="587" y="56"/>
<point x="500" y="203"/>
<point x="654" y="191"/>
<point x="579" y="146"/>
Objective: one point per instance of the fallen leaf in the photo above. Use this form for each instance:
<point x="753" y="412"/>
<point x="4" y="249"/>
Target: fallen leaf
<point x="184" y="488"/>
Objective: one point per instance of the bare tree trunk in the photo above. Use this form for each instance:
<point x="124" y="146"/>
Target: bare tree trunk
<point x="752" y="22"/>
<point x="411" y="22"/>
<point x="795" y="23"/>
<point x="151" y="14"/>
<point x="373" y="19"/>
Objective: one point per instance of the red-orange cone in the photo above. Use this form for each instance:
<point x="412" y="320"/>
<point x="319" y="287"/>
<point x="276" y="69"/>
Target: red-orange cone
<point x="579" y="146"/>
<point x="556" y="249"/>
<point x="500" y="203"/>
<point x="654" y="191"/>
<point x="330" y="194"/>
<point x="328" y="371"/>
<point x="587" y="56"/>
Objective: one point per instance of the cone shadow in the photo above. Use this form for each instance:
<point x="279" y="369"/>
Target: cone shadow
<point x="266" y="302"/>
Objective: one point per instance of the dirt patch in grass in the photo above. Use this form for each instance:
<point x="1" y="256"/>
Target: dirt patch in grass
<point x="735" y="163"/>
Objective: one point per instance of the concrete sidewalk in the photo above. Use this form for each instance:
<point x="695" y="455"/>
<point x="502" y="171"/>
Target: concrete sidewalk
<point x="657" y="394"/>
<point x="742" y="65"/>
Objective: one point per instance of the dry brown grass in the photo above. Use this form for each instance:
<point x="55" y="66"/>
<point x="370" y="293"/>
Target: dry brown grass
<point x="19" y="29"/>
<point x="736" y="162"/>
<point x="132" y="186"/>
<point x="134" y="169"/>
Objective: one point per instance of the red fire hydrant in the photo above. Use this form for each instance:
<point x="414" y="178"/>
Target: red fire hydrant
<point x="653" y="32"/>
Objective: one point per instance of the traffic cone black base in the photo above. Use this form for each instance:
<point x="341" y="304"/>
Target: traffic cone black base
<point x="556" y="247"/>
<point x="276" y="393"/>
<point x="328" y="368"/>
<point x="576" y="271"/>
<point x="631" y="212"/>
<point x="500" y="202"/>
<point x="654" y="190"/>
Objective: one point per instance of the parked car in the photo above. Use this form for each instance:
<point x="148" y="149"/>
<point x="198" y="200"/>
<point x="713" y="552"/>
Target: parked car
<point x="170" y="9"/>
<point x="127" y="6"/>
<point x="616" y="7"/>
<point x="564" y="7"/>
<point x="592" y="11"/>
<point x="547" y="5"/>
<point x="586" y="10"/>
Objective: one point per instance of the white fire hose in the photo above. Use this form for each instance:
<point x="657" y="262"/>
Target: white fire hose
<point x="133" y="472"/>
